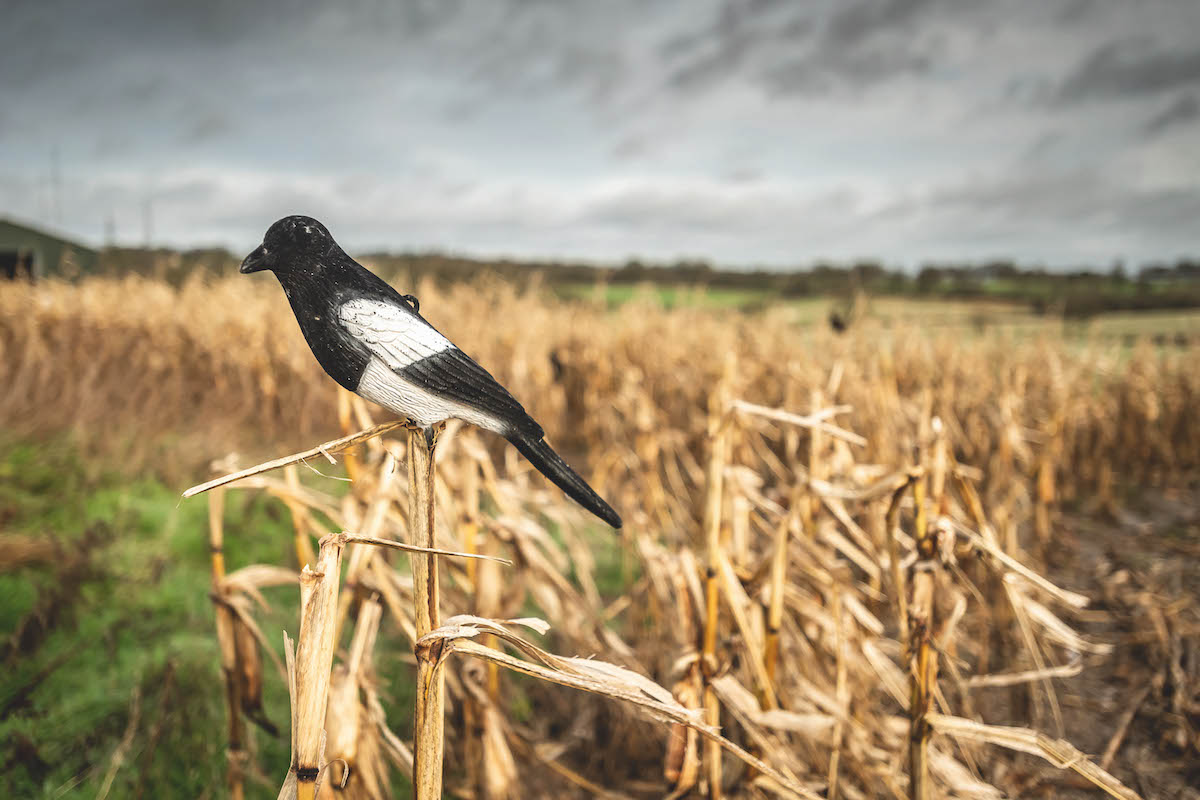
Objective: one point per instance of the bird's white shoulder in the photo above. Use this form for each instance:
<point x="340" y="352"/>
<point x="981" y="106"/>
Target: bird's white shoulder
<point x="393" y="333"/>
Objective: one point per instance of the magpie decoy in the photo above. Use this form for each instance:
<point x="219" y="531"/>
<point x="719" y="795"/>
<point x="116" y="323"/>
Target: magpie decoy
<point x="373" y="341"/>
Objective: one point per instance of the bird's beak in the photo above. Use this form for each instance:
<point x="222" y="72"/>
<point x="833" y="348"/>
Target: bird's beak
<point x="255" y="262"/>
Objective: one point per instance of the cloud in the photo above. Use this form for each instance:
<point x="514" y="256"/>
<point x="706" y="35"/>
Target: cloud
<point x="1071" y="217"/>
<point x="827" y="71"/>
<point x="1130" y="68"/>
<point x="207" y="126"/>
<point x="745" y="131"/>
<point x="854" y="23"/>
<point x="792" y="51"/>
<point x="1076" y="11"/>
<point x="786" y="49"/>
<point x="1182" y="110"/>
<point x="738" y="36"/>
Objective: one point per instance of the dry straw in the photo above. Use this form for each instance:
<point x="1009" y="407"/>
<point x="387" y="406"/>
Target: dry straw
<point x="794" y="573"/>
<point x="310" y="668"/>
<point x="769" y="714"/>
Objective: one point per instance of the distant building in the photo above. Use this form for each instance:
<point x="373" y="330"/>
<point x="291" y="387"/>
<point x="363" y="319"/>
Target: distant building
<point x="16" y="264"/>
<point x="26" y="252"/>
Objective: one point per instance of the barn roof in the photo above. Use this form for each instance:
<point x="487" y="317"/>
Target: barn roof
<point x="56" y="255"/>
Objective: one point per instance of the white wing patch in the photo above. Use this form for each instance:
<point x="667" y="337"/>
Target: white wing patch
<point x="397" y="337"/>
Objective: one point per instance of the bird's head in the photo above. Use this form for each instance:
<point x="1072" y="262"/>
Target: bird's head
<point x="292" y="242"/>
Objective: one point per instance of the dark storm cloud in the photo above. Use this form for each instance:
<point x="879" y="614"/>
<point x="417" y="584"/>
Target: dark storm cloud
<point x="70" y="35"/>
<point x="1131" y="68"/>
<point x="1181" y="111"/>
<point x="742" y="130"/>
<point x="1077" y="11"/>
<point x="854" y="23"/>
<point x="829" y="71"/>
<point x="791" y="49"/>
<point x="868" y="43"/>
<point x="723" y="46"/>
<point x="318" y="37"/>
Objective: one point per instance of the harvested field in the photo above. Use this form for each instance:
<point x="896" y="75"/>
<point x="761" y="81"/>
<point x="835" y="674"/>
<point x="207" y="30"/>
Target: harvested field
<point x="864" y="557"/>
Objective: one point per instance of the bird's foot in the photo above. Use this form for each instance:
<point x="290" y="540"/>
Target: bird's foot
<point x="412" y="301"/>
<point x="432" y="433"/>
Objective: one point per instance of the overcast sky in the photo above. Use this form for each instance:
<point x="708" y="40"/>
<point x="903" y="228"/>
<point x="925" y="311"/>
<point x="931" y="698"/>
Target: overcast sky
<point x="758" y="132"/>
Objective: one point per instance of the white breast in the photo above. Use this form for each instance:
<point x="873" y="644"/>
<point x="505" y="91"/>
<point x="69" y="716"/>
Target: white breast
<point x="381" y="385"/>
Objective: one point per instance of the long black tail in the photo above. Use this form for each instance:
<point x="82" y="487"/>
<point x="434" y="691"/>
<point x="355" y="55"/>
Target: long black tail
<point x="553" y="467"/>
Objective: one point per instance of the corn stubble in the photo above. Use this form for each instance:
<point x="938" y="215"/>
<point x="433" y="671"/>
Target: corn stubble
<point x="832" y="544"/>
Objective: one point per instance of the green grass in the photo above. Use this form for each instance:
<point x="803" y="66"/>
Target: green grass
<point x="1144" y="323"/>
<point x="133" y="615"/>
<point x="970" y="314"/>
<point x="128" y="611"/>
<point x="667" y="296"/>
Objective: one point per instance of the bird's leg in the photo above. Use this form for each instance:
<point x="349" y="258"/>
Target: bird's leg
<point x="413" y="301"/>
<point x="411" y="424"/>
<point x="432" y="433"/>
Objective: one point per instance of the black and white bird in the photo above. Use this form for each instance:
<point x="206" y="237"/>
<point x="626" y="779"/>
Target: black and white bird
<point x="372" y="340"/>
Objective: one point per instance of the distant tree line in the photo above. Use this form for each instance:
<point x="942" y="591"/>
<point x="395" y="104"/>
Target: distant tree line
<point x="1078" y="292"/>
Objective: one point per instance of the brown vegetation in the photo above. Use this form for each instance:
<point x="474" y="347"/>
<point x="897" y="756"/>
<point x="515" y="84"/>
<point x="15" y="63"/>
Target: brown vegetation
<point x="834" y="544"/>
<point x="222" y="363"/>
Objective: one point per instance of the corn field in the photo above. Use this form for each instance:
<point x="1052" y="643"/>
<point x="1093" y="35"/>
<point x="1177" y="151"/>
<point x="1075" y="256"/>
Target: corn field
<point x="837" y="563"/>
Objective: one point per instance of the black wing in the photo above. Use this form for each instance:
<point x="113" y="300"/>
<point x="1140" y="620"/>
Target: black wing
<point x="416" y="351"/>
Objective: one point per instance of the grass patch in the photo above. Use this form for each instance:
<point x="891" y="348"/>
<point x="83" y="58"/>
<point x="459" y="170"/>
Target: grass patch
<point x="125" y="611"/>
<point x="668" y="296"/>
